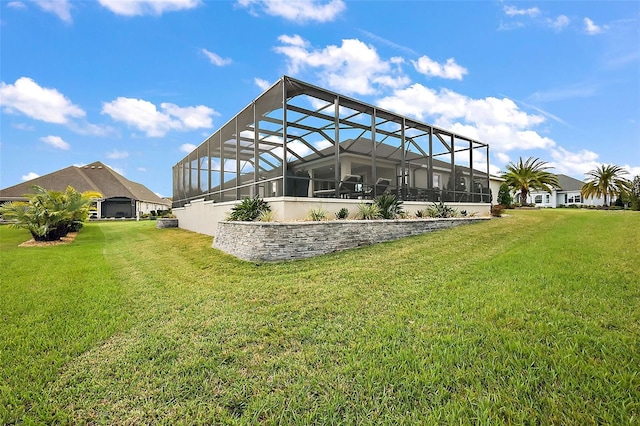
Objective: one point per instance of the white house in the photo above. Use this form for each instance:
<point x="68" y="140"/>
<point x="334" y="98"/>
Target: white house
<point x="568" y="194"/>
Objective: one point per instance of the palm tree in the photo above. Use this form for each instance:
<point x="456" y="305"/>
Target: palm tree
<point x="529" y="175"/>
<point x="50" y="215"/>
<point x="606" y="180"/>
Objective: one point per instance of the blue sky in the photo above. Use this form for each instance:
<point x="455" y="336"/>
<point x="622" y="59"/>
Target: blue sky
<point x="138" y="84"/>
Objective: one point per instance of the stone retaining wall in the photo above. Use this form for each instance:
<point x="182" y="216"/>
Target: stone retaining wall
<point x="275" y="241"/>
<point x="162" y="223"/>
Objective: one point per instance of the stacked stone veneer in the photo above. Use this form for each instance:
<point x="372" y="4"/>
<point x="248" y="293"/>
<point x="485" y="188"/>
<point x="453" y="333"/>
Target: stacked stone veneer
<point x="274" y="241"/>
<point x="166" y="223"/>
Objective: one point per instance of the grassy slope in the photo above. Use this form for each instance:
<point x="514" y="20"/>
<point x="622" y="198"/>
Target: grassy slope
<point x="534" y="316"/>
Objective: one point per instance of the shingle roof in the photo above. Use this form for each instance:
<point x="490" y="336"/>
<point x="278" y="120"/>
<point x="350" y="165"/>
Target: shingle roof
<point x="567" y="183"/>
<point x="92" y="177"/>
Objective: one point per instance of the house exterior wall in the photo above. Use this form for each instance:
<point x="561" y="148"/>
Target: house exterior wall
<point x="561" y="198"/>
<point x="203" y="216"/>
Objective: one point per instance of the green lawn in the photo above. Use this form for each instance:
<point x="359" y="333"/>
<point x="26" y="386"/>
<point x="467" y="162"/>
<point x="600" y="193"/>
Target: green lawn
<point x="528" y="319"/>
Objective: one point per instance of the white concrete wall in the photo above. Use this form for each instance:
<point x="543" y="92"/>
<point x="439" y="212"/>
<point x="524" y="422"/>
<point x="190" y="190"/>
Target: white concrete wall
<point x="203" y="216"/>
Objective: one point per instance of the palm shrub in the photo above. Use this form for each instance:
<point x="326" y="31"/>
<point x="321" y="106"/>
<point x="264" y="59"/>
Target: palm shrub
<point x="50" y="215"/>
<point x="606" y="181"/>
<point x="318" y="214"/>
<point x="367" y="211"/>
<point x="389" y="206"/>
<point x="441" y="210"/>
<point x="528" y="175"/>
<point x="267" y="216"/>
<point x="248" y="209"/>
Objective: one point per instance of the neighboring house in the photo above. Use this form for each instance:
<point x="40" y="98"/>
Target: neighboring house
<point x="569" y="193"/>
<point x="300" y="146"/>
<point x="121" y="197"/>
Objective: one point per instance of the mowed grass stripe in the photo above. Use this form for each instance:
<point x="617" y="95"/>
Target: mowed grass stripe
<point x="521" y="318"/>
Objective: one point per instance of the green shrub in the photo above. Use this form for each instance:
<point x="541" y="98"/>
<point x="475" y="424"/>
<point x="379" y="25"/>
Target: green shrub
<point x="367" y="211"/>
<point x="389" y="206"/>
<point x="421" y="214"/>
<point x="635" y="193"/>
<point x="504" y="195"/>
<point x="440" y="210"/>
<point x="343" y="213"/>
<point x="318" y="214"/>
<point x="248" y="209"/>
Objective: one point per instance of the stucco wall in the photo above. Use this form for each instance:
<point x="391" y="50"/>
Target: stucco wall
<point x="272" y="241"/>
<point x="203" y="216"/>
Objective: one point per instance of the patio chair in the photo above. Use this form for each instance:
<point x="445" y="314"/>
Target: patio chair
<point x="377" y="189"/>
<point x="349" y="187"/>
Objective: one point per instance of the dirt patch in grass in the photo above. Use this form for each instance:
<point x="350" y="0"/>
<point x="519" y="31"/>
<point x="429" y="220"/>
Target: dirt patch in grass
<point x="64" y="240"/>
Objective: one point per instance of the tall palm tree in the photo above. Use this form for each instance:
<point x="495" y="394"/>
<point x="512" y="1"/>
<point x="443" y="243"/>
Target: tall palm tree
<point x="606" y="180"/>
<point x="528" y="175"/>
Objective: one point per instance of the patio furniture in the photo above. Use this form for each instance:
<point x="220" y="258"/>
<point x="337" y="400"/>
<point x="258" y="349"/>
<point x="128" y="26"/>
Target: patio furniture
<point x="377" y="189"/>
<point x="349" y="187"/>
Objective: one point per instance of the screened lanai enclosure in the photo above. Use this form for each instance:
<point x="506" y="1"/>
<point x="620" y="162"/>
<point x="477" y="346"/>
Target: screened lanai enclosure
<point x="299" y="140"/>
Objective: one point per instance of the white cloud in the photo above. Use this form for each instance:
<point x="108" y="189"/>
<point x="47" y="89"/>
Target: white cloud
<point x="144" y="116"/>
<point x="514" y="11"/>
<point x="633" y="171"/>
<point x="573" y="163"/>
<point x="116" y="169"/>
<point x="187" y="147"/>
<point x="216" y="59"/>
<point x="29" y="176"/>
<point x="22" y="126"/>
<point x="37" y="102"/>
<point x="352" y="68"/>
<point x="502" y="157"/>
<point x="141" y="169"/>
<point x="263" y="84"/>
<point x="299" y="11"/>
<point x="492" y="120"/>
<point x="559" y="23"/>
<point x="570" y="92"/>
<point x="147" y="7"/>
<point x="294" y="40"/>
<point x="16" y="5"/>
<point x="591" y="28"/>
<point x="390" y="43"/>
<point x="431" y="68"/>
<point x="115" y="154"/>
<point x="60" y="8"/>
<point x="56" y="142"/>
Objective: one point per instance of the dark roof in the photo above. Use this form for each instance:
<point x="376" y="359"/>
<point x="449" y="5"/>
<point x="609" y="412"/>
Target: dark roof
<point x="567" y="183"/>
<point x="92" y="177"/>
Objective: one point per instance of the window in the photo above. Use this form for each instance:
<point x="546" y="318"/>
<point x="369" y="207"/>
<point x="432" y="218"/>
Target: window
<point x="574" y="199"/>
<point x="538" y="199"/>
<point x="547" y="199"/>
<point x="436" y="181"/>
